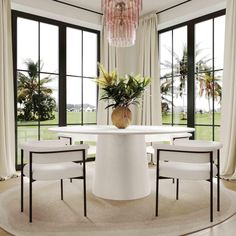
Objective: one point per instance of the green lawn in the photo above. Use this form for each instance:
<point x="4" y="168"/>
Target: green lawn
<point x="28" y="133"/>
<point x="201" y="132"/>
<point x="72" y="118"/>
<point x="204" y="118"/>
<point x="31" y="132"/>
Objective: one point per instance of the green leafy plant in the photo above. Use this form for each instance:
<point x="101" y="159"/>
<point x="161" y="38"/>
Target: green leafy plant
<point x="123" y="91"/>
<point x="34" y="96"/>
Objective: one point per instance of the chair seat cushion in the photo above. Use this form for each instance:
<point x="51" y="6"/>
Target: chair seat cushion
<point x="186" y="170"/>
<point x="54" y="171"/>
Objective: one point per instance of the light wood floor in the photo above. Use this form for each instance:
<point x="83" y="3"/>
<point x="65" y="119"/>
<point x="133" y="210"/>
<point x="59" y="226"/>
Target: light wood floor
<point x="227" y="228"/>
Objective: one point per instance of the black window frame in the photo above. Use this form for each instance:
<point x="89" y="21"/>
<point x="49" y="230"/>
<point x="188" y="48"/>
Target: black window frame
<point x="62" y="26"/>
<point x="191" y="68"/>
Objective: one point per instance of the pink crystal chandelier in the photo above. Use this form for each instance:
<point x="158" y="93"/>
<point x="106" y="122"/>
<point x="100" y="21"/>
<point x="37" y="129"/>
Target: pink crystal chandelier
<point x="121" y="21"/>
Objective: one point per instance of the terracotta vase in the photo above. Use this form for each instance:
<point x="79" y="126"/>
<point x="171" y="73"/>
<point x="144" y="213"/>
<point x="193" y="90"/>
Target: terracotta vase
<point x="121" y="117"/>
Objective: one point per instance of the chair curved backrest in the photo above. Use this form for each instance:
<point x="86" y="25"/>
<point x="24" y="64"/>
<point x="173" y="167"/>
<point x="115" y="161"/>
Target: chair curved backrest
<point x="160" y="138"/>
<point x="179" y="136"/>
<point x="81" y="138"/>
<point x="201" y="144"/>
<point x="53" y="151"/>
<point x="188" y="151"/>
<point x="76" y="137"/>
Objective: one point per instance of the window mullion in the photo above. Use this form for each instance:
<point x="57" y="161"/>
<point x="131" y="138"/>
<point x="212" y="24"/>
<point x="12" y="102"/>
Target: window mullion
<point x="213" y="78"/>
<point x="191" y="80"/>
<point x="82" y="79"/>
<point x="62" y="75"/>
<point x="172" y="77"/>
<point x="39" y="68"/>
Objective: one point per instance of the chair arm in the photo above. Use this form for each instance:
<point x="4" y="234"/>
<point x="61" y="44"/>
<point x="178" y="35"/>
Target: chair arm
<point x="45" y="149"/>
<point x="208" y="147"/>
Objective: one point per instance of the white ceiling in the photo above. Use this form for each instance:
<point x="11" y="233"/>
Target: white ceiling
<point x="148" y="5"/>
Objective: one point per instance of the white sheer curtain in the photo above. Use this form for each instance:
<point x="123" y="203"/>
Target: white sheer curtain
<point x="149" y="111"/>
<point x="228" y="119"/>
<point x="109" y="58"/>
<point x="144" y="60"/>
<point x="7" y="137"/>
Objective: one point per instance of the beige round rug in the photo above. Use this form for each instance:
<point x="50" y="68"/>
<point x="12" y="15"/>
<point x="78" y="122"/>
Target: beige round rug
<point x="51" y="216"/>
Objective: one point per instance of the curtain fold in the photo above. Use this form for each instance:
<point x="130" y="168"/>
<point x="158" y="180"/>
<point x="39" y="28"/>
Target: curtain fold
<point x="149" y="111"/>
<point x="228" y="113"/>
<point x="7" y="122"/>
<point x="109" y="58"/>
<point x="143" y="58"/>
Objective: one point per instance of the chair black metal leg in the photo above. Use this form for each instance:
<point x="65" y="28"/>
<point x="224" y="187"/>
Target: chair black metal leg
<point x="30" y="188"/>
<point x="218" y="180"/>
<point x="30" y="201"/>
<point x="173" y="180"/>
<point x="157" y="184"/>
<point x="211" y="186"/>
<point x="177" y="189"/>
<point x="84" y="180"/>
<point x="85" y="200"/>
<point x="211" y="201"/>
<point x="70" y="180"/>
<point x="151" y="160"/>
<point x="61" y="189"/>
<point x="157" y="195"/>
<point x="22" y="183"/>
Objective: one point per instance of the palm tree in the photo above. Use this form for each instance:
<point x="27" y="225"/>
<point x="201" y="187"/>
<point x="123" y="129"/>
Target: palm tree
<point x="166" y="92"/>
<point x="209" y="85"/>
<point x="33" y="95"/>
<point x="180" y="68"/>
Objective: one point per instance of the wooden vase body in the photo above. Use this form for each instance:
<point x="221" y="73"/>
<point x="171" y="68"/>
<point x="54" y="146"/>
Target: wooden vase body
<point x="121" y="117"/>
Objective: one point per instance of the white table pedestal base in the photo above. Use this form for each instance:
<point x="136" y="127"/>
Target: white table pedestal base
<point x="121" y="171"/>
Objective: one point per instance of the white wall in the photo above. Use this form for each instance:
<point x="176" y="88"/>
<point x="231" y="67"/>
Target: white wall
<point x="57" y="11"/>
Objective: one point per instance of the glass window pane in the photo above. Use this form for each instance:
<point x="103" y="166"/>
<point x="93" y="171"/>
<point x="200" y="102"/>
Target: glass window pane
<point x="180" y="99"/>
<point x="203" y="132"/>
<point x="203" y="98"/>
<point x="48" y="99"/>
<point x="89" y="100"/>
<point x="218" y="95"/>
<point x="203" y="46"/>
<point x="217" y="134"/>
<point x="165" y="51"/>
<point x="74" y="100"/>
<point x="180" y="51"/>
<point x="45" y="134"/>
<point x="27" y="42"/>
<point x="89" y="54"/>
<point x="219" y="35"/>
<point x="25" y="134"/>
<point x="49" y="48"/>
<point x="166" y="100"/>
<point x="27" y="98"/>
<point x="73" y="51"/>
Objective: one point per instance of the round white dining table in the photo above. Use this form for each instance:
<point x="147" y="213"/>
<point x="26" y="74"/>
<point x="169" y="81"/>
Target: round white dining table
<point x="121" y="169"/>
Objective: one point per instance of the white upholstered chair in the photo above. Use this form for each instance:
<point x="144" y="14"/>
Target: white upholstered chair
<point x="189" y="160"/>
<point x="154" y="139"/>
<point x="52" y="160"/>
